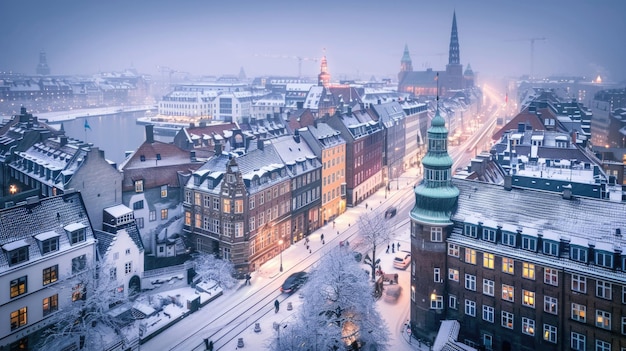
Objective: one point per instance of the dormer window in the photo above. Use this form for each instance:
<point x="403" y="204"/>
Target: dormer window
<point x="76" y="232"/>
<point x="48" y="242"/>
<point x="471" y="230"/>
<point x="604" y="259"/>
<point x="578" y="253"/>
<point x="489" y="235"/>
<point x="139" y="186"/>
<point x="550" y="248"/>
<point x="508" y="239"/>
<point x="17" y="252"/>
<point x="529" y="243"/>
<point x="142" y="158"/>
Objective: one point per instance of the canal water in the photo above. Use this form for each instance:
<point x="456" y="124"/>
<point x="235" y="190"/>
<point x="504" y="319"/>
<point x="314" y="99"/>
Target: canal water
<point x="116" y="134"/>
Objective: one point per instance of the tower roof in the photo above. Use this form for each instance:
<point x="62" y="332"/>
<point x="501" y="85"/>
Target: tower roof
<point x="454" y="57"/>
<point x="406" y="57"/>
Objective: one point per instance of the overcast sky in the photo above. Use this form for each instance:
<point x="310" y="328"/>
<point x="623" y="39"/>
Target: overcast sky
<point x="361" y="37"/>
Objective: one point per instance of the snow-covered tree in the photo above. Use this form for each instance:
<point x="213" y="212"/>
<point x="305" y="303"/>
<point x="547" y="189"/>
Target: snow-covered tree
<point x="339" y="312"/>
<point x="208" y="267"/>
<point x="375" y="231"/>
<point x="85" y="317"/>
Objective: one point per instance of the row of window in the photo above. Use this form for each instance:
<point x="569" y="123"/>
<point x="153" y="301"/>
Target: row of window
<point x="603" y="289"/>
<point x="19" y="317"/>
<point x="548" y="247"/>
<point x="47" y="245"/>
<point x="50" y="275"/>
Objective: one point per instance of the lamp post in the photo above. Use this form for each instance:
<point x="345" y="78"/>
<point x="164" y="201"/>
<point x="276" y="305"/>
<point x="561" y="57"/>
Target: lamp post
<point x="280" y="244"/>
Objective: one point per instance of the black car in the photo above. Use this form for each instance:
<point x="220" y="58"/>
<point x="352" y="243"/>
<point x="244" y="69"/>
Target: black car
<point x="391" y="211"/>
<point x="293" y="282"/>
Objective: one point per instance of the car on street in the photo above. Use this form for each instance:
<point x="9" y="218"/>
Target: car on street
<point x="392" y="292"/>
<point x="294" y="282"/>
<point x="402" y="260"/>
<point x="390" y="212"/>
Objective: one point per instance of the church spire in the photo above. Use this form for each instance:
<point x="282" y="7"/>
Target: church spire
<point x="323" y="79"/>
<point x="406" y="65"/>
<point x="454" y="57"/>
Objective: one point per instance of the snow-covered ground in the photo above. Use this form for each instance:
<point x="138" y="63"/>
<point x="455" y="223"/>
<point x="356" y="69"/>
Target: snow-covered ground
<point x="59" y="116"/>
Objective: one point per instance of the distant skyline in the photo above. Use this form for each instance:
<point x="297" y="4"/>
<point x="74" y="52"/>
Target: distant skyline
<point x="361" y="38"/>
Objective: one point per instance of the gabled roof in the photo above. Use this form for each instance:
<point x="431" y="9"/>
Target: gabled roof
<point x="524" y="117"/>
<point x="422" y="78"/>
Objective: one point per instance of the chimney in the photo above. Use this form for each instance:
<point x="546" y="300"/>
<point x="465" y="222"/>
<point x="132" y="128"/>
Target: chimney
<point x="218" y="148"/>
<point x="378" y="101"/>
<point x="567" y="192"/>
<point x="192" y="155"/>
<point x="150" y="133"/>
<point x="349" y="110"/>
<point x="300" y="105"/>
<point x="508" y="182"/>
<point x="259" y="144"/>
<point x="296" y="135"/>
<point x="63" y="140"/>
<point x="573" y="137"/>
<point x="521" y="127"/>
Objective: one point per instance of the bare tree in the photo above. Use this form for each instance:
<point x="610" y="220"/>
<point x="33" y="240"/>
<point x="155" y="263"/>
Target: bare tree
<point x="375" y="231"/>
<point x="208" y="267"/>
<point x="339" y="313"/>
<point x="84" y="315"/>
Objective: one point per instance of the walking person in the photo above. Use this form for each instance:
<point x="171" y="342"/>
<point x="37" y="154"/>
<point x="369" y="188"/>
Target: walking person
<point x="276" y="306"/>
<point x="247" y="279"/>
<point x="393" y="247"/>
<point x="387" y="248"/>
<point x="398" y="246"/>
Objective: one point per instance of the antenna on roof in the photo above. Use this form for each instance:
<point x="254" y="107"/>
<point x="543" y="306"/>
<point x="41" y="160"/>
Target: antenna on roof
<point x="437" y="80"/>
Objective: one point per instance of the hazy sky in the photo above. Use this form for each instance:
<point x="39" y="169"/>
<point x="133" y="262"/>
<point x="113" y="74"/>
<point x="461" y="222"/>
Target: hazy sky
<point x="362" y="37"/>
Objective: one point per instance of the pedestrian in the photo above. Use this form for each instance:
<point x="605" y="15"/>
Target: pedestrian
<point x="393" y="247"/>
<point x="322" y="237"/>
<point x="387" y="248"/>
<point x="276" y="306"/>
<point x="366" y="205"/>
<point x="398" y="246"/>
<point x="333" y="224"/>
<point x="247" y="279"/>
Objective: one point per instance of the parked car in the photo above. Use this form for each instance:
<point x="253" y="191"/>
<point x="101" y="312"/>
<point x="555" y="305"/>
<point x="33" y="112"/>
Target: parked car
<point x="390" y="212"/>
<point x="294" y="282"/>
<point x="392" y="292"/>
<point x="402" y="260"/>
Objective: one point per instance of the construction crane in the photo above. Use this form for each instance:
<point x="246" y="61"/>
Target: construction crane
<point x="299" y="58"/>
<point x="532" y="52"/>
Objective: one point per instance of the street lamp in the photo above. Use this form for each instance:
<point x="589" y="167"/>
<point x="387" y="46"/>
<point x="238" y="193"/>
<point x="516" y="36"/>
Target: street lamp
<point x="280" y="244"/>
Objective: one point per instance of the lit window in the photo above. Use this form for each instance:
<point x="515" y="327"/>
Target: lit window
<point x="528" y="298"/>
<point x="507" y="320"/>
<point x="470" y="256"/>
<point x="139" y="186"/>
<point x="508" y="293"/>
<point x="528" y="326"/>
<point x="508" y="265"/>
<point x="226" y="205"/>
<point x="50" y="274"/>
<point x="18" y="286"/>
<point x="18" y="318"/>
<point x="603" y="319"/>
<point x="78" y="293"/>
<point x="163" y="190"/>
<point x="50" y="304"/>
<point x="164" y="213"/>
<point x="549" y="333"/>
<point x="488" y="260"/>
<point x="528" y="270"/>
<point x="579" y="312"/>
<point x="238" y="206"/>
<point x="453" y="274"/>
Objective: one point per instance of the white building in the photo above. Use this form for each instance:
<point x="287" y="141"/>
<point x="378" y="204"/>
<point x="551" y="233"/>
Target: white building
<point x="45" y="244"/>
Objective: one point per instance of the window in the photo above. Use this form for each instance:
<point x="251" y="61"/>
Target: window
<point x="578" y="342"/>
<point x="138" y="205"/>
<point x="139" y="186"/>
<point x="508" y="293"/>
<point x="579" y="312"/>
<point x="604" y="290"/>
<point x="488" y="341"/>
<point x="508" y="265"/>
<point x="550" y="248"/>
<point x="238" y="206"/>
<point x="436" y="302"/>
<point x="528" y="298"/>
<point x="529" y="243"/>
<point x="578" y="253"/>
<point x="238" y="229"/>
<point x="50" y="245"/>
<point x="470" y="256"/>
<point x="436" y="234"/>
<point x="152" y="216"/>
<point x="50" y="304"/>
<point x="127" y="252"/>
<point x="579" y="283"/>
<point x="507" y="320"/>
<point x="604" y="259"/>
<point x="164" y="213"/>
<point x="18" y="255"/>
<point x="470" y="308"/>
<point x="79" y="264"/>
<point x="528" y="270"/>
<point x="528" y="326"/>
<point x="437" y="275"/>
<point x="550" y="304"/>
<point x="453" y="274"/>
<point x="113" y="271"/>
<point x="197" y="199"/>
<point x="488" y="260"/>
<point x="78" y="293"/>
<point x="551" y="276"/>
<point x="489" y="287"/>
<point x="163" y="190"/>
<point x="187" y="218"/>
<point x="216" y="204"/>
<point x="50" y="274"/>
<point x="508" y="239"/>
<point x="251" y="202"/>
<point x="603" y="345"/>
<point x="471" y="230"/>
<point x="226" y="205"/>
<point x="624" y="325"/>
<point x="488" y="313"/>
<point x="452" y="301"/>
<point x="77" y="236"/>
<point x="139" y="222"/>
<point x="453" y="250"/>
<point x="603" y="319"/>
<point x="18" y="286"/>
<point x="624" y="294"/>
<point x="470" y="282"/>
<point x="128" y="267"/>
<point x="549" y="333"/>
<point x="18" y="318"/>
<point x="489" y="235"/>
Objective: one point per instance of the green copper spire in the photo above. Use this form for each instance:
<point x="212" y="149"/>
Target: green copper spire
<point x="436" y="196"/>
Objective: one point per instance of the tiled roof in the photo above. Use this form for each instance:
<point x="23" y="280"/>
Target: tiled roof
<point x="23" y="222"/>
<point x="422" y="78"/>
<point x="523" y="117"/>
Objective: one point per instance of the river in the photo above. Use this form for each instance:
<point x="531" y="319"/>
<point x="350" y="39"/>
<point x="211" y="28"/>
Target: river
<point x="116" y="134"/>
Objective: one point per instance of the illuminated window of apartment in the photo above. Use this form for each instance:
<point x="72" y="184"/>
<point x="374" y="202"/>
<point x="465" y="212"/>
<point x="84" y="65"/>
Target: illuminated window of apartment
<point x="50" y="274"/>
<point x="453" y="274"/>
<point x="508" y="293"/>
<point x="470" y="256"/>
<point x="238" y="206"/>
<point x="226" y="205"/>
<point x="139" y="186"/>
<point x="163" y="190"/>
<point x="528" y="326"/>
<point x="507" y="319"/>
<point x="164" y="213"/>
<point x="528" y="298"/>
<point x="508" y="265"/>
<point x="18" y="318"/>
<point x="488" y="260"/>
<point x="78" y="292"/>
<point x="50" y="304"/>
<point x="18" y="286"/>
<point x="579" y="312"/>
<point x="603" y="319"/>
<point x="528" y="270"/>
